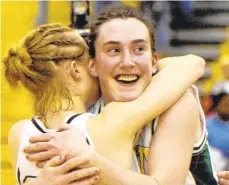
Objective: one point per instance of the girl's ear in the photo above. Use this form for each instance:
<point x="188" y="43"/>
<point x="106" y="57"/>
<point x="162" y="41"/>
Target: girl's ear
<point x="74" y="70"/>
<point x="92" y="68"/>
<point x="154" y="63"/>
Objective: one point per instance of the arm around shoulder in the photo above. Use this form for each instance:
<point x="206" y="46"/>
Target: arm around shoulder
<point x="188" y="63"/>
<point x="178" y="73"/>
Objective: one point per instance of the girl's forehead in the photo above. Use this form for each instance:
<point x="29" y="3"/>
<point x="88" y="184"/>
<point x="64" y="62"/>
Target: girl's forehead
<point x="123" y="30"/>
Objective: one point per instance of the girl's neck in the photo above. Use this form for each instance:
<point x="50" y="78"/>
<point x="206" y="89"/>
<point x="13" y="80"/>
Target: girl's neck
<point x="54" y="120"/>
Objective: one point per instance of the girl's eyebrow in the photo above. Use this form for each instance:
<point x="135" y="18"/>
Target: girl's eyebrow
<point x="111" y="42"/>
<point x="117" y="42"/>
<point x="139" y="40"/>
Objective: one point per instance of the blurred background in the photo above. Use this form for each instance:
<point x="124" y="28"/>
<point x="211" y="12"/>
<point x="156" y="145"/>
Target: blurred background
<point x="181" y="27"/>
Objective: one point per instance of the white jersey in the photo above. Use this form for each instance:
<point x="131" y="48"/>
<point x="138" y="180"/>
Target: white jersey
<point x="27" y="170"/>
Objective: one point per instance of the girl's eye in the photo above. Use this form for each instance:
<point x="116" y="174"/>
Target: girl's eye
<point x="113" y="50"/>
<point x="139" y="49"/>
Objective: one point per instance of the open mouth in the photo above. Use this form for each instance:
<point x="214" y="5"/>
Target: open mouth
<point x="127" y="79"/>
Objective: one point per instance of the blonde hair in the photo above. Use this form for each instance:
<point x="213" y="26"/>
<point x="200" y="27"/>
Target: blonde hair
<point x="34" y="63"/>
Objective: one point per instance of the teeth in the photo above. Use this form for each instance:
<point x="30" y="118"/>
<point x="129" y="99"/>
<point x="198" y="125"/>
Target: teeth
<point x="127" y="78"/>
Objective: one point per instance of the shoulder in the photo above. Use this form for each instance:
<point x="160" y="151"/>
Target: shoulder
<point x="186" y="103"/>
<point x="81" y="117"/>
<point x="80" y="120"/>
<point x="190" y="101"/>
<point x="181" y="114"/>
<point x="184" y="112"/>
<point x="16" y="129"/>
<point x="14" y="139"/>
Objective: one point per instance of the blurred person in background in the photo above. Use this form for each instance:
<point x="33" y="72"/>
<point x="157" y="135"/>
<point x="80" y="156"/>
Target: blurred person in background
<point x="221" y="88"/>
<point x="218" y="124"/>
<point x="218" y="130"/>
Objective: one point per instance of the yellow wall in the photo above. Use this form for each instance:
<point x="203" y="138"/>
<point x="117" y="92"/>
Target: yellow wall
<point x="18" y="18"/>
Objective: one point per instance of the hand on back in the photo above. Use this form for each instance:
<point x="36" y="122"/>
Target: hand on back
<point x="68" y="142"/>
<point x="58" y="171"/>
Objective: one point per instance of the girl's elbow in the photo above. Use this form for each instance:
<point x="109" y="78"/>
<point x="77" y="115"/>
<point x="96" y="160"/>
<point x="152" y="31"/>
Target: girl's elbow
<point x="199" y="64"/>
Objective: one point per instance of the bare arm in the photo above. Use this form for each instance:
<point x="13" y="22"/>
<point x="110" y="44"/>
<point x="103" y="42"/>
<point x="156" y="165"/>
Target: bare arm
<point x="178" y="73"/>
<point x="114" y="175"/>
<point x="170" y="151"/>
<point x="172" y="143"/>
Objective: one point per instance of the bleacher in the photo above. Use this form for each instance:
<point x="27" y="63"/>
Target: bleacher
<point x="201" y="30"/>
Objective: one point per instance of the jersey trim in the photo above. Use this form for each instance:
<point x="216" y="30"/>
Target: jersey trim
<point x="18" y="176"/>
<point x="37" y="125"/>
<point x="87" y="141"/>
<point x="154" y="124"/>
<point x="201" y="168"/>
<point x="72" y="117"/>
<point x="100" y="107"/>
<point x="43" y="131"/>
<point x="200" y="148"/>
<point x="29" y="176"/>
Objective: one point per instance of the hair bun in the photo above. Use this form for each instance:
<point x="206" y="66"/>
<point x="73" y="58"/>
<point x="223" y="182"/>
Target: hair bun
<point x="21" y="54"/>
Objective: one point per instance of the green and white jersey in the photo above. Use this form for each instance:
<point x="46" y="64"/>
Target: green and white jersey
<point x="201" y="171"/>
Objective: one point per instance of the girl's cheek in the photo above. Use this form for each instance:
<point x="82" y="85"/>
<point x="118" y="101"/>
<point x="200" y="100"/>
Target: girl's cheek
<point x="144" y="60"/>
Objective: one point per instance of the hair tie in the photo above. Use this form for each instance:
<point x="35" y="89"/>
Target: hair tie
<point x="22" y="54"/>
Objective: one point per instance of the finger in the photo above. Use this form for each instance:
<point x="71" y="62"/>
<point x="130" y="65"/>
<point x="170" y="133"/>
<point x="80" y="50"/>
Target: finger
<point x="41" y="156"/>
<point x="223" y="182"/>
<point x="41" y="164"/>
<point x="223" y="174"/>
<point x="81" y="173"/>
<point x="41" y="138"/>
<point x="37" y="147"/>
<point x="55" y="161"/>
<point x="73" y="163"/>
<point x="89" y="181"/>
<point x="63" y="128"/>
